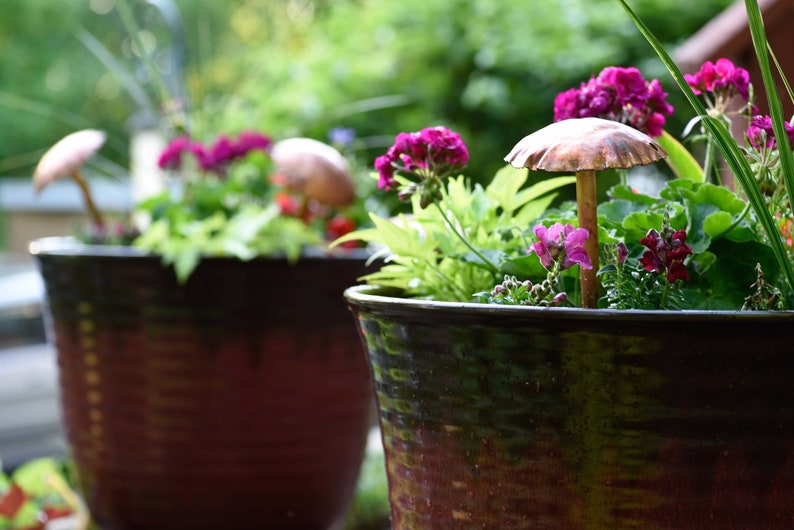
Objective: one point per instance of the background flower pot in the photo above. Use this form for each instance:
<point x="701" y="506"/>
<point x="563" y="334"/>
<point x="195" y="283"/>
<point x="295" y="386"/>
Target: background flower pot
<point x="517" y="417"/>
<point x="238" y="400"/>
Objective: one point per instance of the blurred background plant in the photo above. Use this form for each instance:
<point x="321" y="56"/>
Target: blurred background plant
<point x="304" y="67"/>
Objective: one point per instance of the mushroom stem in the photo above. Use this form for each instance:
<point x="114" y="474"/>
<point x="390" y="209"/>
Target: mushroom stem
<point x="96" y="217"/>
<point x="588" y="219"/>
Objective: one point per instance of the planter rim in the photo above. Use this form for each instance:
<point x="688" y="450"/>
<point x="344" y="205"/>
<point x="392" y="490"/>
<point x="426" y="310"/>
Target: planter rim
<point x="71" y="246"/>
<point x="385" y="299"/>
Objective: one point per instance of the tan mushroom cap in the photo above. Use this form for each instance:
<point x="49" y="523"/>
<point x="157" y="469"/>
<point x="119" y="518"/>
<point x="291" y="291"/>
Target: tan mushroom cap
<point x="314" y="169"/>
<point x="580" y="144"/>
<point x="66" y="156"/>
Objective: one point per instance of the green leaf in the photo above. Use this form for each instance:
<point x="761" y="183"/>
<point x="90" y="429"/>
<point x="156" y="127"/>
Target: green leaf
<point x="733" y="272"/>
<point x="637" y="224"/>
<point x="716" y="223"/>
<point x="505" y="185"/>
<point x="626" y="193"/>
<point x="35" y="475"/>
<point x="543" y="187"/>
<point x="719" y="196"/>
<point x="185" y="262"/>
<point x="679" y="159"/>
<point x="613" y="213"/>
<point x="533" y="209"/>
<point x="526" y="267"/>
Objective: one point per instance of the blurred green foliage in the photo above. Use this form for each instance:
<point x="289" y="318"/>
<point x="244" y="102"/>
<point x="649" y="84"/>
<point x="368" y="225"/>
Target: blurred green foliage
<point x="489" y="70"/>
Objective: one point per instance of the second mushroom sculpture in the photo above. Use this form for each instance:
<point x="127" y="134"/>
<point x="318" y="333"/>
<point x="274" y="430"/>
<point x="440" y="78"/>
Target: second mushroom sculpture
<point x="584" y="146"/>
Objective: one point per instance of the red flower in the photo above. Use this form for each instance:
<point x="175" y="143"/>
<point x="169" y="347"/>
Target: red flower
<point x="666" y="254"/>
<point x="289" y="205"/>
<point x="338" y="226"/>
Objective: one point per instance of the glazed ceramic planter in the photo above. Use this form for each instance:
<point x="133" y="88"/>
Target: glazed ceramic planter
<point x="497" y="417"/>
<point x="240" y="399"/>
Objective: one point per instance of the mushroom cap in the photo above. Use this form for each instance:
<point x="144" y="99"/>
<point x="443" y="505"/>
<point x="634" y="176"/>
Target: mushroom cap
<point x="314" y="169"/>
<point x="67" y="155"/>
<point x="579" y="144"/>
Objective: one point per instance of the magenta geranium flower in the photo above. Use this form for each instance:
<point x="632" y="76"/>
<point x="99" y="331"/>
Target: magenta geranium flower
<point x="248" y="141"/>
<point x="561" y="244"/>
<point x="171" y="157"/>
<point x="618" y="94"/>
<point x="723" y="79"/>
<point x="760" y="133"/>
<point x="432" y="153"/>
<point x="215" y="157"/>
<point x="666" y="254"/>
<point x="385" y="167"/>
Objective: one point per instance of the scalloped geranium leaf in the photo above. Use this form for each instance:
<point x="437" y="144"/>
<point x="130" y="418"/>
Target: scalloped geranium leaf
<point x="717" y="223"/>
<point x="637" y="224"/>
<point x="614" y="212"/>
<point x="733" y="272"/>
<point x="676" y="190"/>
<point x="629" y="194"/>
<point x="719" y="196"/>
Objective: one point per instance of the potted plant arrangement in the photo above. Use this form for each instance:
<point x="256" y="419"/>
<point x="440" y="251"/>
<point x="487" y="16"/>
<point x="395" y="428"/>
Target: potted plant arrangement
<point x="209" y="376"/>
<point x="623" y="364"/>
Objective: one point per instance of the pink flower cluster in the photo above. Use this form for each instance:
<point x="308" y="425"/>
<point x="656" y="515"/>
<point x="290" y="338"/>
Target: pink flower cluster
<point x="561" y="244"/>
<point x="761" y="136"/>
<point x="432" y="152"/>
<point x="215" y="157"/>
<point x="617" y="94"/>
<point x="722" y="79"/>
<point x="666" y="254"/>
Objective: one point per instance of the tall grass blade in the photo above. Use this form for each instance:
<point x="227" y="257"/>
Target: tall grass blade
<point x="781" y="74"/>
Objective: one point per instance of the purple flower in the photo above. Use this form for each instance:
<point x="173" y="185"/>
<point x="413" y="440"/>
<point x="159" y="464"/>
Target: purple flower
<point x="342" y="136"/>
<point x="723" y="79"/>
<point x="618" y="94"/>
<point x="666" y="254"/>
<point x="561" y="244"/>
<point x="430" y="154"/>
<point x="559" y="299"/>
<point x="622" y="252"/>
<point x="761" y="135"/>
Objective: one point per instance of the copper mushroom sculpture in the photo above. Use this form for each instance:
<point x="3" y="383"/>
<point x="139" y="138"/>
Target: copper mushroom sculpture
<point x="315" y="170"/>
<point x="65" y="158"/>
<point x="586" y="145"/>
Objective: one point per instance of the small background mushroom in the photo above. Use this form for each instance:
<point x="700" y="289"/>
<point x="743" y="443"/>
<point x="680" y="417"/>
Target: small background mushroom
<point x="586" y="145"/>
<point x="65" y="158"/>
<point x="315" y="170"/>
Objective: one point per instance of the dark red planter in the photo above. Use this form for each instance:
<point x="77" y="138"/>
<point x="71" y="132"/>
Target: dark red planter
<point x="238" y="400"/>
<point x="497" y="417"/>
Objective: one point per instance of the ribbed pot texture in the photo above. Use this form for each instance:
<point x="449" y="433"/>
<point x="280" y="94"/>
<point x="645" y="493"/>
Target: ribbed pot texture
<point x="238" y="400"/>
<point x="497" y="417"/>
